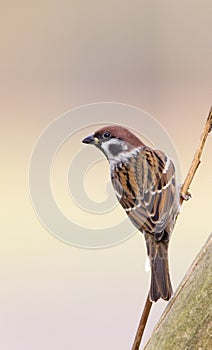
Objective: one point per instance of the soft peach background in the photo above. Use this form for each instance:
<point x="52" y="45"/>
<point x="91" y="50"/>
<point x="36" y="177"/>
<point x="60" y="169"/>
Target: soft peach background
<point x="58" y="55"/>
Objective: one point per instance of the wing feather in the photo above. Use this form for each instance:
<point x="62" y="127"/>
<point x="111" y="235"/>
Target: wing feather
<point x="145" y="187"/>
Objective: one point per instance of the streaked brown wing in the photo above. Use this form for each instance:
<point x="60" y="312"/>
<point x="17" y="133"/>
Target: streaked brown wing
<point x="146" y="190"/>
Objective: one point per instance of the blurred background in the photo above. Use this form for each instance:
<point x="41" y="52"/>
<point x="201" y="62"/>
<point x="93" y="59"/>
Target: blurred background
<point x="59" y="55"/>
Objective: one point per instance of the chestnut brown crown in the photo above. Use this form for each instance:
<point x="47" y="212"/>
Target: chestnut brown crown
<point x="119" y="132"/>
<point x="113" y="132"/>
<point x="114" y="141"/>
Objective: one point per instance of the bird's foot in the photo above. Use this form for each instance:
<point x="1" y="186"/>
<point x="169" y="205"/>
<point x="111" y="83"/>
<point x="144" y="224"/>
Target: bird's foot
<point x="186" y="196"/>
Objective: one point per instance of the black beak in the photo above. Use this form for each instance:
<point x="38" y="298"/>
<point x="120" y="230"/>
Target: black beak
<point x="90" y="140"/>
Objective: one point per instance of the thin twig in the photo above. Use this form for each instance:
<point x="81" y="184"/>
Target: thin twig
<point x="142" y="323"/>
<point x="196" y="161"/>
<point x="184" y="196"/>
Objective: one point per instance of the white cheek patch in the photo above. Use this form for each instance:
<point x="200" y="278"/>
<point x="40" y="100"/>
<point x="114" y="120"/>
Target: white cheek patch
<point x="107" y="144"/>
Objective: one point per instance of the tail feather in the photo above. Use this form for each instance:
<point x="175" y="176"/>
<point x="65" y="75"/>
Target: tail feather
<point x="160" y="279"/>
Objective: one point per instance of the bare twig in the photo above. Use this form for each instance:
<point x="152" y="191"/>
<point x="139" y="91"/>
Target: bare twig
<point x="142" y="323"/>
<point x="184" y="196"/>
<point x="196" y="161"/>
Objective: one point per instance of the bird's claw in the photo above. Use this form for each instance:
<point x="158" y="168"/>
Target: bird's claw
<point x="186" y="196"/>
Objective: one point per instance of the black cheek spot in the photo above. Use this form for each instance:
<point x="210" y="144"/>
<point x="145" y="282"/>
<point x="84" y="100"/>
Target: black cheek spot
<point x="115" y="149"/>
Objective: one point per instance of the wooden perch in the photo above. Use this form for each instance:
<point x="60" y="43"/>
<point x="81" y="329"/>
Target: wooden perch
<point x="187" y="321"/>
<point x="184" y="196"/>
<point x="196" y="161"/>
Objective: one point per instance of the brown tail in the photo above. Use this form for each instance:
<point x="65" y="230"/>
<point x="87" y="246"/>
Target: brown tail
<point x="160" y="279"/>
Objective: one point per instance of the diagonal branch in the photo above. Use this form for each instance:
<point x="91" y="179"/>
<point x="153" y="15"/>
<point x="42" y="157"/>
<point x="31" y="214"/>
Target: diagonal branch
<point x="196" y="161"/>
<point x="142" y="323"/>
<point x="184" y="196"/>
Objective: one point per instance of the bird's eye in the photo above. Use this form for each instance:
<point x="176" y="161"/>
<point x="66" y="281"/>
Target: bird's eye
<point x="106" y="135"/>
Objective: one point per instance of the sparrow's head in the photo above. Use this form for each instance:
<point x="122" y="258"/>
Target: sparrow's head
<point x="114" y="141"/>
